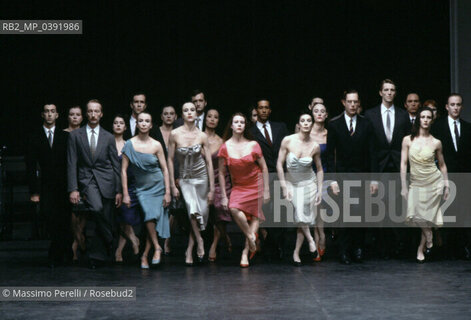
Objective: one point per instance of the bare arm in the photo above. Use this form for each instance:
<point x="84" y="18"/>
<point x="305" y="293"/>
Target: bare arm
<point x="124" y="180"/>
<point x="172" y="144"/>
<point x="443" y="169"/>
<point x="163" y="166"/>
<point x="266" y="181"/>
<point x="222" y="181"/>
<point x="279" y="166"/>
<point x="209" y="165"/>
<point x="320" y="173"/>
<point x="404" y="159"/>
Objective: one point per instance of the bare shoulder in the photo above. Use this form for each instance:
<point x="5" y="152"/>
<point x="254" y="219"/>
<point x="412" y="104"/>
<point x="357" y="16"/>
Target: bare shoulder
<point x="437" y="143"/>
<point x="406" y="140"/>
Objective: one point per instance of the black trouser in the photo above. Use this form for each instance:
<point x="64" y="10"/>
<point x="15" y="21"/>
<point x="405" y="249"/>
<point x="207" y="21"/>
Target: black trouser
<point x="275" y="235"/>
<point x="100" y="239"/>
<point x="54" y="207"/>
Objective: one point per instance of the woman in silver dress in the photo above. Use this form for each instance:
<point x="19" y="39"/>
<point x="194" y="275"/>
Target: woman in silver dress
<point x="191" y="148"/>
<point x="299" y="151"/>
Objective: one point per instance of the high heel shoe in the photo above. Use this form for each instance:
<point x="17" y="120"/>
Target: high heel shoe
<point x="428" y="251"/>
<point x="252" y="253"/>
<point x="144" y="266"/>
<point x="420" y="261"/>
<point x="188" y="264"/>
<point x="321" y="252"/>
<point x="156" y="262"/>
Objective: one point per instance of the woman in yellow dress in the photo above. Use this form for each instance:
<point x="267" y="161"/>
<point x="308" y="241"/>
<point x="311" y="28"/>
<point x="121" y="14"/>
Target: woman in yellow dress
<point x="427" y="183"/>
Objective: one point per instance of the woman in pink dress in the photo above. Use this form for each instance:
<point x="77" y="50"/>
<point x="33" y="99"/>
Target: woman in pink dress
<point x="246" y="164"/>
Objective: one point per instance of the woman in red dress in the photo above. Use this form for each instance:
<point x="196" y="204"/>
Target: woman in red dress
<point x="246" y="164"/>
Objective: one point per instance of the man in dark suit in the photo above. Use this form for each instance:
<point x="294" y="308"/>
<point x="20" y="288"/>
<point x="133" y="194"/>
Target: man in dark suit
<point x="412" y="105"/>
<point x="138" y="104"/>
<point x="455" y="135"/>
<point x="94" y="174"/>
<point x="349" y="152"/>
<point x="390" y="125"/>
<point x="269" y="135"/>
<point x="47" y="150"/>
<point x="199" y="100"/>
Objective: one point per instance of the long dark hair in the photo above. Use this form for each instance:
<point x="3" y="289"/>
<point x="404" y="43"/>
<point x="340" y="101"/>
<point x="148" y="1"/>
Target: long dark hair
<point x="416" y="126"/>
<point x="228" y="131"/>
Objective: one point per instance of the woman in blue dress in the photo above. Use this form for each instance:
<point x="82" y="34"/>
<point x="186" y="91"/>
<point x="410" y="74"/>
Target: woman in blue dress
<point x="147" y="160"/>
<point x="319" y="135"/>
<point x="127" y="216"/>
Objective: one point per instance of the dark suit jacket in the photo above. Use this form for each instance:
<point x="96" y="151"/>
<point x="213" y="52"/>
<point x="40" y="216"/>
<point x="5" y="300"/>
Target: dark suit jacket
<point x="388" y="155"/>
<point x="104" y="166"/>
<point x="349" y="154"/>
<point x="270" y="153"/>
<point x="456" y="161"/>
<point x="52" y="162"/>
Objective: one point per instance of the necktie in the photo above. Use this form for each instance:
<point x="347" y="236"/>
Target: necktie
<point x="388" y="126"/>
<point x="93" y="143"/>
<point x="198" y="123"/>
<point x="49" y="136"/>
<point x="412" y="120"/>
<point x="457" y="135"/>
<point x="351" y="127"/>
<point x="267" y="136"/>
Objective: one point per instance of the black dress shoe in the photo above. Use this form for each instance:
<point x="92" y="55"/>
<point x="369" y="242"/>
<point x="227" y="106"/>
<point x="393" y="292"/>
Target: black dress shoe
<point x="428" y="252"/>
<point x="344" y="259"/>
<point x="358" y="256"/>
<point x="296" y="263"/>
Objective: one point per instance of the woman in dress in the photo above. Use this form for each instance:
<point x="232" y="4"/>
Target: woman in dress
<point x="149" y="167"/>
<point x="300" y="151"/>
<point x="221" y="216"/>
<point x="78" y="219"/>
<point x="249" y="176"/>
<point x="127" y="216"/>
<point x="191" y="148"/>
<point x="427" y="182"/>
<point x="319" y="135"/>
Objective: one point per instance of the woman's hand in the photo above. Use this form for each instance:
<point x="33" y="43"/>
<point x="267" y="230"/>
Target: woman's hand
<point x="175" y="193"/>
<point x="318" y="198"/>
<point x="446" y="193"/>
<point x="266" y="196"/>
<point x="287" y="194"/>
<point x="405" y="193"/>
<point x="127" y="200"/>
<point x="210" y="197"/>
<point x="224" y="202"/>
<point x="167" y="200"/>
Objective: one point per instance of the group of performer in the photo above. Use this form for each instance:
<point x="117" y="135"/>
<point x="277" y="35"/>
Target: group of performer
<point x="90" y="179"/>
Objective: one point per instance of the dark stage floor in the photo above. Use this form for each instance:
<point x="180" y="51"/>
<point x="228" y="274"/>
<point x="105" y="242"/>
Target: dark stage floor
<point x="375" y="289"/>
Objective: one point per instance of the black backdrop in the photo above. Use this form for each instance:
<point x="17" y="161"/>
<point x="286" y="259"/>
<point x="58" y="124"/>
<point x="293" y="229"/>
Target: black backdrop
<point x="234" y="50"/>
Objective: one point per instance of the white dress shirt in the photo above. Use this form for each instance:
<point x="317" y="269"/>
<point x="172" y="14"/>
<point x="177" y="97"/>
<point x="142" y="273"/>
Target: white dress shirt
<point x="46" y="130"/>
<point x="354" y="122"/>
<point x="89" y="134"/>
<point x="262" y="130"/>
<point x="451" y="124"/>
<point x="391" y="118"/>
<point x="132" y="125"/>
<point x="200" y="120"/>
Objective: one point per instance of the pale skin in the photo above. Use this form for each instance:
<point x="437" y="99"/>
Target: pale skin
<point x="119" y="126"/>
<point x="238" y="147"/>
<point x="145" y="144"/>
<point x="74" y="118"/>
<point x="215" y="142"/>
<point x="302" y="146"/>
<point x="186" y="136"/>
<point x="319" y="135"/>
<point x="423" y="139"/>
<point x="94" y="114"/>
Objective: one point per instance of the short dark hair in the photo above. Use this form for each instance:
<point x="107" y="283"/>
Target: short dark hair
<point x="138" y="93"/>
<point x="386" y="81"/>
<point x="454" y="94"/>
<point x="196" y="92"/>
<point x="350" y="91"/>
<point x="228" y="131"/>
<point x="74" y="107"/>
<point x="412" y="92"/>
<point x="48" y="104"/>
<point x="167" y="106"/>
